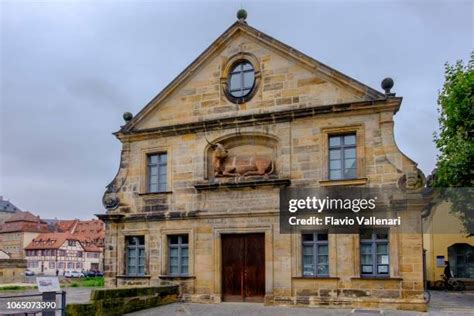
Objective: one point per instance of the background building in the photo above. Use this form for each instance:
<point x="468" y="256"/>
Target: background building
<point x="17" y="232"/>
<point x="7" y="209"/>
<point x="52" y="253"/>
<point x="446" y="239"/>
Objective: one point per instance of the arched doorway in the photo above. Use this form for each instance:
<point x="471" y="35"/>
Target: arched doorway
<point x="461" y="260"/>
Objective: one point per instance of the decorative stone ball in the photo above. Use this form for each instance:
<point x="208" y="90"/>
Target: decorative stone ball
<point x="387" y="84"/>
<point x="241" y="14"/>
<point x="127" y="116"/>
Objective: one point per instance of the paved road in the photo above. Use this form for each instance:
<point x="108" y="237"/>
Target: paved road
<point x="442" y="304"/>
<point x="254" y="309"/>
<point x="452" y="303"/>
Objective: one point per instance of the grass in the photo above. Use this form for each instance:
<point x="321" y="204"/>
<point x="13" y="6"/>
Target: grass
<point x="88" y="282"/>
<point x="17" y="288"/>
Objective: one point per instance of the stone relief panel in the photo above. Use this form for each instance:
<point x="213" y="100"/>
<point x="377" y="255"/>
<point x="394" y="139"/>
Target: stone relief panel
<point x="242" y="156"/>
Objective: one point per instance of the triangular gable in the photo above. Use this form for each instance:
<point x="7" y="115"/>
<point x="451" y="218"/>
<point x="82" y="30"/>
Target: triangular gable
<point x="239" y="26"/>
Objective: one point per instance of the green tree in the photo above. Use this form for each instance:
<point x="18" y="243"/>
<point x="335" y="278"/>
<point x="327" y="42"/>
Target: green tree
<point x="455" y="141"/>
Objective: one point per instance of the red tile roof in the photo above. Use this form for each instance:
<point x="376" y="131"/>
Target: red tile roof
<point x="24" y="222"/>
<point x="91" y="230"/>
<point x="66" y="225"/>
<point x="56" y="240"/>
<point x="24" y="217"/>
<point x="50" y="241"/>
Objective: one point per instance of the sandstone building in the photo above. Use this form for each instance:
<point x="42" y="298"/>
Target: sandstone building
<point x="17" y="232"/>
<point x="196" y="197"/>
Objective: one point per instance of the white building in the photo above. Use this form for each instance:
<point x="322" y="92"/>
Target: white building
<point x="54" y="253"/>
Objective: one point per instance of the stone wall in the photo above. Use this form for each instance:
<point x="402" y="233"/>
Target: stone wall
<point x="284" y="282"/>
<point x="12" y="270"/>
<point x="124" y="300"/>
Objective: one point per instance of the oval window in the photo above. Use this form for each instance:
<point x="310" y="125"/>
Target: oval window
<point x="241" y="79"/>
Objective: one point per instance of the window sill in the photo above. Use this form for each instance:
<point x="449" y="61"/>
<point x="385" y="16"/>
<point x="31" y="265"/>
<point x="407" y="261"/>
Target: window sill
<point x="154" y="193"/>
<point x="357" y="181"/>
<point x="382" y="278"/>
<point x="315" y="278"/>
<point x="177" y="277"/>
<point x="126" y="276"/>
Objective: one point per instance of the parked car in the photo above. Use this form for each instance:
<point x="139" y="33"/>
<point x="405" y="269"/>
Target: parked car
<point x="28" y="272"/>
<point x="92" y="274"/>
<point x="73" y="274"/>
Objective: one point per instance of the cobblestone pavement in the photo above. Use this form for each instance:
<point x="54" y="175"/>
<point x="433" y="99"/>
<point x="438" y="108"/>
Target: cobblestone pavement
<point x="451" y="303"/>
<point x="254" y="309"/>
<point x="442" y="304"/>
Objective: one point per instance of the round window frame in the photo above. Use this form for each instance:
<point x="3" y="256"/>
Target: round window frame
<point x="229" y="66"/>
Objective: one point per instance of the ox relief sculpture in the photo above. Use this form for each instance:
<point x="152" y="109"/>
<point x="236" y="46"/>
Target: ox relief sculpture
<point x="226" y="165"/>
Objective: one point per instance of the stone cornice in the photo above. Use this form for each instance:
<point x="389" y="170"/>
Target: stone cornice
<point x="390" y="104"/>
<point x="110" y="217"/>
<point x="167" y="216"/>
<point x="206" y="185"/>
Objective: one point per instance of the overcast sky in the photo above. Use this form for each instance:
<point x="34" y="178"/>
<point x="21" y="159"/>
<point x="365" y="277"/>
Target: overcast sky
<point x="69" y="69"/>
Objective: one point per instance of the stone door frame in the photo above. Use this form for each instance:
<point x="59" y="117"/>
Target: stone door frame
<point x="267" y="230"/>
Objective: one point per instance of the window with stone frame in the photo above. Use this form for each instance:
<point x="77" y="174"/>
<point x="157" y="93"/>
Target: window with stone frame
<point x="135" y="255"/>
<point x="315" y="254"/>
<point x="178" y="255"/>
<point x="374" y="253"/>
<point x="241" y="79"/>
<point x="157" y="165"/>
<point x="342" y="156"/>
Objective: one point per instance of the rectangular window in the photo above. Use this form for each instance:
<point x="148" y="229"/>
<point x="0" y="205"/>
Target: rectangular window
<point x="315" y="254"/>
<point x="374" y="253"/>
<point x="342" y="157"/>
<point x="79" y="254"/>
<point x="157" y="172"/>
<point x="79" y="265"/>
<point x="71" y="242"/>
<point x="135" y="255"/>
<point x="178" y="255"/>
<point x="61" y="265"/>
<point x="70" y="265"/>
<point x="51" y="265"/>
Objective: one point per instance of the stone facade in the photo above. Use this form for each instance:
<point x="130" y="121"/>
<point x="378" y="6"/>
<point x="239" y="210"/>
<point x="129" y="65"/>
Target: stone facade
<point x="297" y="104"/>
<point x="12" y="270"/>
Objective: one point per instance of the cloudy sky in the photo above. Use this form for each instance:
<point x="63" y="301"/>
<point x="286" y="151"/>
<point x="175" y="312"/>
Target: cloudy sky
<point x="69" y="69"/>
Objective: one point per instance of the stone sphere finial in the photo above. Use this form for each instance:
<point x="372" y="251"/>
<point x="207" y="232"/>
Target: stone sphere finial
<point x="387" y="84"/>
<point x="242" y="15"/>
<point x="127" y="116"/>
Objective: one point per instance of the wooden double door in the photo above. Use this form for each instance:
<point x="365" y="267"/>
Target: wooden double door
<point x="243" y="267"/>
